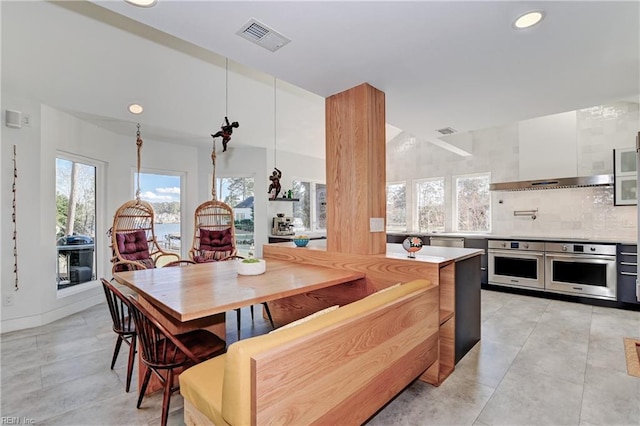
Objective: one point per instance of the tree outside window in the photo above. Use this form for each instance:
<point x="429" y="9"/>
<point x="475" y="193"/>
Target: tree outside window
<point x="396" y="207"/>
<point x="75" y="221"/>
<point x="473" y="203"/>
<point x="238" y="193"/>
<point x="310" y="213"/>
<point x="430" y="205"/>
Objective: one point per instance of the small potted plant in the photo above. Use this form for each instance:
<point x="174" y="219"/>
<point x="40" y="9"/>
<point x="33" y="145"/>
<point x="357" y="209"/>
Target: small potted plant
<point x="251" y="266"/>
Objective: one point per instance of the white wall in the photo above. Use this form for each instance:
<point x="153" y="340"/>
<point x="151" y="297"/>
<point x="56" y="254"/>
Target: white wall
<point x="101" y="50"/>
<point x="574" y="213"/>
<point x="37" y="301"/>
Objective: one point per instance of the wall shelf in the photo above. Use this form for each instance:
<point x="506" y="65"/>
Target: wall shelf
<point x="285" y="199"/>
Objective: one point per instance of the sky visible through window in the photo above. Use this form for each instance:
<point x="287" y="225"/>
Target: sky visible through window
<point x="159" y="188"/>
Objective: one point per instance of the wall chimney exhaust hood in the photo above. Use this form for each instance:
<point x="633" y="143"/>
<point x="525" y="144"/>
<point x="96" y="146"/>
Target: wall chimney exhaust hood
<point x="569" y="182"/>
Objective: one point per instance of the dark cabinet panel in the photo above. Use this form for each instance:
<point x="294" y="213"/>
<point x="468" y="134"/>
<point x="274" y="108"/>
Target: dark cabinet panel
<point x="627" y="256"/>
<point x="480" y="243"/>
<point x="467" y="300"/>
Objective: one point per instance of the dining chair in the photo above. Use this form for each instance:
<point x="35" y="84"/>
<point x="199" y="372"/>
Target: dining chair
<point x="214" y="240"/>
<point x="266" y="309"/>
<point x="123" y="325"/>
<point x="163" y="352"/>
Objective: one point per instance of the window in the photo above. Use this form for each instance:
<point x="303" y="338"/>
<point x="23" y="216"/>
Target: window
<point x="472" y="203"/>
<point x="310" y="213"/>
<point x="396" y="207"/>
<point x="238" y="193"/>
<point x="430" y="208"/>
<point x="162" y="191"/>
<point x="75" y="220"/>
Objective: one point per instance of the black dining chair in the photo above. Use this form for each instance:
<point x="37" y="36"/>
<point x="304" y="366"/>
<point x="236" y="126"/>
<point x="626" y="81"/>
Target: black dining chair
<point x="163" y="352"/>
<point x="123" y="325"/>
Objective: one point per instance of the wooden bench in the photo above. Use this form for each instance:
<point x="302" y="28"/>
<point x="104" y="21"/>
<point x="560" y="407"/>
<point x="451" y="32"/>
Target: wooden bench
<point x="337" y="368"/>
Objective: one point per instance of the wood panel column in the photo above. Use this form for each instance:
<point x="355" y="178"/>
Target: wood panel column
<point x="356" y="172"/>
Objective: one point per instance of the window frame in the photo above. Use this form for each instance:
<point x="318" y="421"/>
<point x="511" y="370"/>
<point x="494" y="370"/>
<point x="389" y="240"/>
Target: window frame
<point x="416" y="199"/>
<point x="455" y="204"/>
<point x="100" y="229"/>
<point x="184" y="248"/>
<point x="241" y="251"/>
<point x="313" y="208"/>
<point x="406" y="210"/>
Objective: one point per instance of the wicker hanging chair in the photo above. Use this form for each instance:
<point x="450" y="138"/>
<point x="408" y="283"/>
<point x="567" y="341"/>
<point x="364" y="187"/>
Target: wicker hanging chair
<point x="214" y="237"/>
<point x="133" y="239"/>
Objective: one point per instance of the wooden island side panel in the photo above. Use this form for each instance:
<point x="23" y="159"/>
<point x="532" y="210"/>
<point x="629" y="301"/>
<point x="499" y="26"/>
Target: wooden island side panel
<point x="380" y="272"/>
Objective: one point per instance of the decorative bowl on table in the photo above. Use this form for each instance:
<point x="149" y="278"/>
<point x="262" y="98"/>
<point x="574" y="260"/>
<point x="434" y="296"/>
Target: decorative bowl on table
<point x="301" y="240"/>
<point x="251" y="266"/>
<point x="412" y="245"/>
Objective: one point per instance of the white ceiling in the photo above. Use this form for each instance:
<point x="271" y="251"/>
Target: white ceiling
<point x="441" y="64"/>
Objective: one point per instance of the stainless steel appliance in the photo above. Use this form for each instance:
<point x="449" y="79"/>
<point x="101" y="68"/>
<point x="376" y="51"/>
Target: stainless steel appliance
<point x="282" y="226"/>
<point x="588" y="269"/>
<point x="446" y="241"/>
<point x="516" y="263"/>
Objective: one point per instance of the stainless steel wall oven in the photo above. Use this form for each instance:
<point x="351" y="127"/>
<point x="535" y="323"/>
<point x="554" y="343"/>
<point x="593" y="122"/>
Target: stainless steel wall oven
<point x="588" y="269"/>
<point x="516" y="263"/>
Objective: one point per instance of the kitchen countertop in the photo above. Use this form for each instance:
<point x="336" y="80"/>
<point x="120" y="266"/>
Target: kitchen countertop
<point x="430" y="254"/>
<point x="311" y="235"/>
<point x="631" y="240"/>
<point x="434" y="254"/>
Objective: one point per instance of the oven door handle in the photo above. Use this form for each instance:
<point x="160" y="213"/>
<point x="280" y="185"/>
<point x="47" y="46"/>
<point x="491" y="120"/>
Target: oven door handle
<point x="602" y="257"/>
<point x="515" y="254"/>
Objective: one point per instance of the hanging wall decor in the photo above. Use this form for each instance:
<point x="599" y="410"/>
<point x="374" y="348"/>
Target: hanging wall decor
<point x="225" y="132"/>
<point x="13" y="217"/>
<point x="274" y="186"/>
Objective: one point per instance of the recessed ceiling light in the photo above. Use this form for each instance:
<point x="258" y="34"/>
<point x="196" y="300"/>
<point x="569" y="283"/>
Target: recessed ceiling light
<point x="135" y="109"/>
<point x="528" y="19"/>
<point x="142" y="3"/>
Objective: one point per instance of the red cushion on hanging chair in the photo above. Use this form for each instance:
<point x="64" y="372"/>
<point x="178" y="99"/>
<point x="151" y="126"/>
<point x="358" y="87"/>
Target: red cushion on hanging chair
<point x="211" y="240"/>
<point x="133" y="245"/>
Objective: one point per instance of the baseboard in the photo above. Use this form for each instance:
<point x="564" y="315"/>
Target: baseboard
<point x="37" y="320"/>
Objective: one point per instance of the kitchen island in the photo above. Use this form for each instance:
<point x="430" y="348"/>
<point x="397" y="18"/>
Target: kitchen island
<point x="455" y="270"/>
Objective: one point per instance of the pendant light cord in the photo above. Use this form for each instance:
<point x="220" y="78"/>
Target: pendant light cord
<point x="275" y="123"/>
<point x="226" y="85"/>
<point x="139" y="149"/>
<point x="214" y="191"/>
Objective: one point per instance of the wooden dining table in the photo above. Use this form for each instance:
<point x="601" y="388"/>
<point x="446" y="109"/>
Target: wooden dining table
<point x="197" y="296"/>
<point x="193" y="296"/>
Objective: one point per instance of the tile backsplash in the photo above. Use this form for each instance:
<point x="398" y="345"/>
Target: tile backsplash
<point x="565" y="213"/>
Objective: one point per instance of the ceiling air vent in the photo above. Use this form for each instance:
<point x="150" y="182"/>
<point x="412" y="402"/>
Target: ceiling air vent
<point x="447" y="131"/>
<point x="260" y="34"/>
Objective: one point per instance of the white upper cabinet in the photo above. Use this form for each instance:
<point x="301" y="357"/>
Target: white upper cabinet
<point x="547" y="147"/>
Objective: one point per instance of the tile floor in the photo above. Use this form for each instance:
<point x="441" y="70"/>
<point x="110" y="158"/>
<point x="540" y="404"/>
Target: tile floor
<point x="540" y="362"/>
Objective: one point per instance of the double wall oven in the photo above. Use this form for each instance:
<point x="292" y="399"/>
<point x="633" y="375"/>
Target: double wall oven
<point x="581" y="269"/>
<point x="516" y="263"/>
<point x="570" y="268"/>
